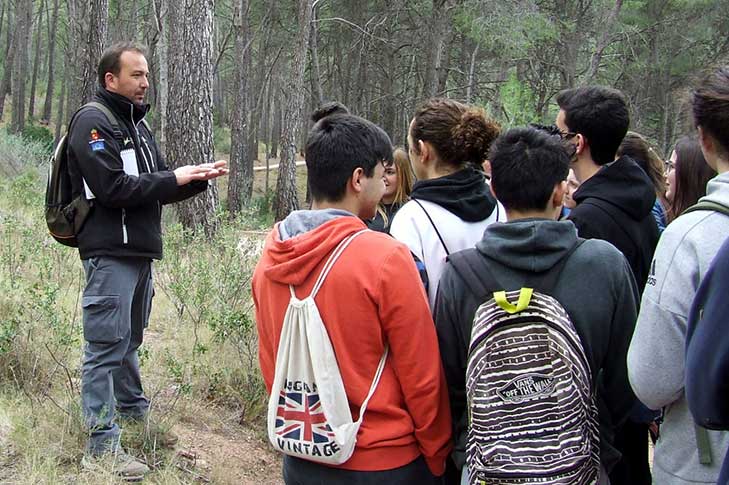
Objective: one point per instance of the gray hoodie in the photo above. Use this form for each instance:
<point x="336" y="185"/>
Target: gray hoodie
<point x="596" y="287"/>
<point x="656" y="355"/>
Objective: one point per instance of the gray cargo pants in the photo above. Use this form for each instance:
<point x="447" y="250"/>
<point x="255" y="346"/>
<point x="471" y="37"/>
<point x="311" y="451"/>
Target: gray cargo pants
<point x="116" y="306"/>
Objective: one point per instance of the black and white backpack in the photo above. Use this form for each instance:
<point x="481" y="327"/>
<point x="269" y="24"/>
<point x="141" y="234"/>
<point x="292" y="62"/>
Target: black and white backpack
<point x="532" y="412"/>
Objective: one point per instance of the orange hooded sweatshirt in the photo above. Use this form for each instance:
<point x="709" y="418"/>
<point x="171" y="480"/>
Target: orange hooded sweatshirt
<point x="373" y="295"/>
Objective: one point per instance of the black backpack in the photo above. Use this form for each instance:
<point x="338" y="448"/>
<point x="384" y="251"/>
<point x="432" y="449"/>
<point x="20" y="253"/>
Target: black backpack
<point x="65" y="214"/>
<point x="532" y="416"/>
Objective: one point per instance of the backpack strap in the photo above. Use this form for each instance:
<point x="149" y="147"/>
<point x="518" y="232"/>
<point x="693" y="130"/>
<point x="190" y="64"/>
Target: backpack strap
<point x="434" y="227"/>
<point x="110" y="117"/>
<point x="373" y="386"/>
<point x="708" y="205"/>
<point x="330" y="263"/>
<point x="470" y="265"/>
<point x="703" y="445"/>
<point x="548" y="280"/>
<point x="317" y="286"/>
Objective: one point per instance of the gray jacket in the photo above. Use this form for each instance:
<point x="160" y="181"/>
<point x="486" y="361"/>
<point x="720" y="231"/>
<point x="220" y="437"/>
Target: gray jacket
<point x="596" y="287"/>
<point x="656" y="355"/>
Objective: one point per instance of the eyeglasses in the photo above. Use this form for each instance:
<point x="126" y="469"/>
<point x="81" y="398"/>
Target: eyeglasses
<point x="669" y="165"/>
<point x="567" y="135"/>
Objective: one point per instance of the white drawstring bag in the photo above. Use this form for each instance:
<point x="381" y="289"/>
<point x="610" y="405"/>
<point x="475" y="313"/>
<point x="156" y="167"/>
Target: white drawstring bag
<point x="308" y="410"/>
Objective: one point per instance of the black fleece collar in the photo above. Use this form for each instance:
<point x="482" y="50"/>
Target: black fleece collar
<point x="124" y="107"/>
<point x="463" y="193"/>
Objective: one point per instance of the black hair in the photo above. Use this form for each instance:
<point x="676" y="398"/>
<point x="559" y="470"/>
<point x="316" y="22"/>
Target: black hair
<point x="328" y="109"/>
<point x="337" y="145"/>
<point x="526" y="164"/>
<point x="111" y="59"/>
<point x="598" y="113"/>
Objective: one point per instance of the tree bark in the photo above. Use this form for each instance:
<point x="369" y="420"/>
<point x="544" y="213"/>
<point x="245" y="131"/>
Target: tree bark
<point x="315" y="71"/>
<point x="62" y="100"/>
<point x="36" y="61"/>
<point x="471" y="75"/>
<point x="190" y="52"/>
<point x="48" y="102"/>
<point x="286" y="196"/>
<point x="88" y="24"/>
<point x="24" y="20"/>
<point x="439" y="25"/>
<point x="2" y="17"/>
<point x="9" y="33"/>
<point x="161" y="50"/>
<point x="277" y="116"/>
<point x="602" y="42"/>
<point x="240" y="185"/>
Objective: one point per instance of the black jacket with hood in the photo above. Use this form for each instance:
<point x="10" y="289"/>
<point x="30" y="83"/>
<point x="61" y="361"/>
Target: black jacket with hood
<point x="616" y="205"/>
<point x="125" y="219"/>
<point x="596" y="288"/>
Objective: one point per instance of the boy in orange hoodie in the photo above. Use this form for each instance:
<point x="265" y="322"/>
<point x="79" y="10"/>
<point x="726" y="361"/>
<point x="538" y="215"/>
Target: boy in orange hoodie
<point x="372" y="296"/>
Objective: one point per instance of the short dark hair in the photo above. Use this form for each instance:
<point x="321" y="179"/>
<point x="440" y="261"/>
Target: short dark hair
<point x="598" y="113"/>
<point x="710" y="106"/>
<point x="110" y="59"/>
<point x="526" y="164"/>
<point x="337" y="145"/>
<point x="328" y="109"/>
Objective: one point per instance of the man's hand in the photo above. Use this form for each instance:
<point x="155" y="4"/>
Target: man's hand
<point x="204" y="171"/>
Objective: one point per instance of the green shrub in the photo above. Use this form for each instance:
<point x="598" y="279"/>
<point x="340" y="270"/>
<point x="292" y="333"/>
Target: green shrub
<point x="18" y="154"/>
<point x="40" y="134"/>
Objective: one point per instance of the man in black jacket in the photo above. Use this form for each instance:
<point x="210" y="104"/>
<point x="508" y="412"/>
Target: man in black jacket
<point x="614" y="203"/>
<point x="121" y="172"/>
<point x="529" y="171"/>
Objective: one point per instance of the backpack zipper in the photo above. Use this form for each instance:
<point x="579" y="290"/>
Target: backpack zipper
<point x="124" y="226"/>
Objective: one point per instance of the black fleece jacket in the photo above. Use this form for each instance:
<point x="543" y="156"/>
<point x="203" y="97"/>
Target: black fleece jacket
<point x="125" y="219"/>
<point x="616" y="205"/>
<point x="596" y="288"/>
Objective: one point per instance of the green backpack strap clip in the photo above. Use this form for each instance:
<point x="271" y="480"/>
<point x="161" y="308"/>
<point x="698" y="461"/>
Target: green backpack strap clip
<point x="525" y="296"/>
<point x="703" y="444"/>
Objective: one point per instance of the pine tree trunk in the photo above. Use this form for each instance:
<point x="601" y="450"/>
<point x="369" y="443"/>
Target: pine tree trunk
<point x="190" y="102"/>
<point x="24" y="20"/>
<point x="315" y="70"/>
<point x="36" y="61"/>
<point x="161" y="50"/>
<point x="5" y="85"/>
<point x="88" y="23"/>
<point x="48" y="103"/>
<point x="435" y="47"/>
<point x="240" y="185"/>
<point x="276" y="122"/>
<point x="62" y="101"/>
<point x="286" y="196"/>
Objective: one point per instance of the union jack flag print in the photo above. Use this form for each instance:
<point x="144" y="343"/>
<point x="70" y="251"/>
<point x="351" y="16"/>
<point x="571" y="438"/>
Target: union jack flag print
<point x="300" y="417"/>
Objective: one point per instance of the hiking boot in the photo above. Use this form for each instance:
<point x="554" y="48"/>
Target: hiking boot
<point x="121" y="464"/>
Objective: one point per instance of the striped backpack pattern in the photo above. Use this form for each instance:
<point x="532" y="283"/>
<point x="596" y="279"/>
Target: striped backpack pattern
<point x="532" y="411"/>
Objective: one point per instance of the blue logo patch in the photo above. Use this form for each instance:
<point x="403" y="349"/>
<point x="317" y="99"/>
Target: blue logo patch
<point x="97" y="145"/>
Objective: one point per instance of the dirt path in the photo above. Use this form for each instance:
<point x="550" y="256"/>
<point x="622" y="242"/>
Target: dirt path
<point x="227" y="457"/>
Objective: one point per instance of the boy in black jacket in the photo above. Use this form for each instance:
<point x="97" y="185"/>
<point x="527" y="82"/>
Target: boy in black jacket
<point x="596" y="287"/>
<point x="614" y="203"/>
